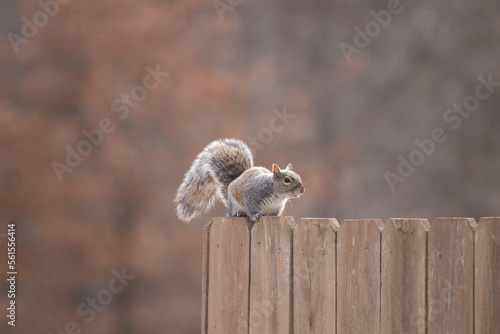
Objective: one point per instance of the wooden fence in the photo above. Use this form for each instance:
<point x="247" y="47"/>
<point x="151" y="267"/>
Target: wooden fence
<point x="360" y="277"/>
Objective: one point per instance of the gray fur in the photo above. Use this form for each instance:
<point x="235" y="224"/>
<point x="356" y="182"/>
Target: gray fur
<point x="224" y="170"/>
<point x="264" y="194"/>
<point x="207" y="180"/>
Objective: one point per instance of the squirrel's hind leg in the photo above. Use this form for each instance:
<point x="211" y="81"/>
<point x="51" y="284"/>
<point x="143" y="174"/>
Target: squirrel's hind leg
<point x="254" y="210"/>
<point x="256" y="215"/>
<point x="234" y="212"/>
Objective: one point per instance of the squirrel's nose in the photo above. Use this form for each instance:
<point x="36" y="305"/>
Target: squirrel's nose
<point x="301" y="189"/>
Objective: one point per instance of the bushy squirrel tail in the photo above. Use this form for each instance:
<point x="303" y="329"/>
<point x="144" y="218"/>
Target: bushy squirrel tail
<point x="219" y="164"/>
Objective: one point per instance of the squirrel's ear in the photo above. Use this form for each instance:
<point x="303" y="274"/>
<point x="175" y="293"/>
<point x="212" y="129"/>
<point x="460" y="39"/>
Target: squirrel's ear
<point x="276" y="171"/>
<point x="289" y="167"/>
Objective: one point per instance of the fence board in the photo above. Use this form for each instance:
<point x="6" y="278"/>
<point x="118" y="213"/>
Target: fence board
<point x="205" y="275"/>
<point x="314" y="276"/>
<point x="358" y="276"/>
<point x="228" y="276"/>
<point x="450" y="276"/>
<point x="403" y="276"/>
<point x="317" y="277"/>
<point x="270" y="285"/>
<point x="487" y="280"/>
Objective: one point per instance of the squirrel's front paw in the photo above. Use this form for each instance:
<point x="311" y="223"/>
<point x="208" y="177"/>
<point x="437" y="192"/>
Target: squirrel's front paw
<point x="255" y="215"/>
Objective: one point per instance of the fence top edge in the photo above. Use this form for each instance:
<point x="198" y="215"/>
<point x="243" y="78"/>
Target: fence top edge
<point x="471" y="221"/>
<point x="242" y="221"/>
<point x="331" y="221"/>
<point x="483" y="220"/>
<point x="289" y="220"/>
<point x="209" y="224"/>
<point x="234" y="221"/>
<point x="378" y="222"/>
<point x="405" y="223"/>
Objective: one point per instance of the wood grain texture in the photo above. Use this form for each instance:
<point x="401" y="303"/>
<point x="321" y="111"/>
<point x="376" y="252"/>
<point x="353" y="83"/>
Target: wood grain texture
<point x="228" y="276"/>
<point x="450" y="276"/>
<point x="404" y="272"/>
<point x="487" y="276"/>
<point x="317" y="277"/>
<point x="314" y="276"/>
<point x="271" y="274"/>
<point x="358" y="276"/>
<point x="205" y="275"/>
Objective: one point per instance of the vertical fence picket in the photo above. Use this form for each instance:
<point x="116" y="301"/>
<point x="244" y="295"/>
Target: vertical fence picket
<point x="228" y="276"/>
<point x="271" y="275"/>
<point x="450" y="276"/>
<point x="487" y="276"/>
<point x="403" y="276"/>
<point x="205" y="276"/>
<point x="314" y="276"/>
<point x="358" y="276"/>
<point x="317" y="277"/>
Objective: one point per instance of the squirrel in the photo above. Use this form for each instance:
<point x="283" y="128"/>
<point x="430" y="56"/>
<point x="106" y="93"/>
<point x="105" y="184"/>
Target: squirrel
<point x="224" y="170"/>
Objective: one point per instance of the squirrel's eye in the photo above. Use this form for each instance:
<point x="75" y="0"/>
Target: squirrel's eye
<point x="287" y="180"/>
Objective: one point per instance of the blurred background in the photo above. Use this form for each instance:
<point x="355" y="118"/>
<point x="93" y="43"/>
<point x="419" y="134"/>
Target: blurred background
<point x="338" y="90"/>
